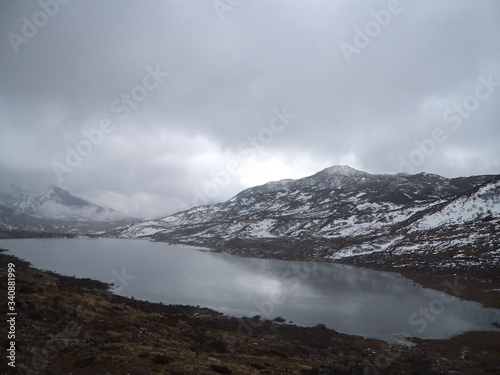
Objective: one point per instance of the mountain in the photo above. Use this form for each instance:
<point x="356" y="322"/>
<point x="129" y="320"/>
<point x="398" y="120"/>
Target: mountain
<point x="343" y="214"/>
<point x="54" y="209"/>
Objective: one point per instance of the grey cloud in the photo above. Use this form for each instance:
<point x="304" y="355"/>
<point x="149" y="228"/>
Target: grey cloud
<point x="226" y="77"/>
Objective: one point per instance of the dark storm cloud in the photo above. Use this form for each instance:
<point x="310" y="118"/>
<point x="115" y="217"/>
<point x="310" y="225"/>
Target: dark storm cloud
<point x="229" y="70"/>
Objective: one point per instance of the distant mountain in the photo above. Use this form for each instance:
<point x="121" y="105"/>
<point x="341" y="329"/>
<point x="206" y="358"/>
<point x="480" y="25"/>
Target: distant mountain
<point x="341" y="213"/>
<point x="54" y="209"/>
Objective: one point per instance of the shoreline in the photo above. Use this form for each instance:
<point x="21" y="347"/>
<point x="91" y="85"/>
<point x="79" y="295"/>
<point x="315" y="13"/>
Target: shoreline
<point x="90" y="330"/>
<point x="479" y="287"/>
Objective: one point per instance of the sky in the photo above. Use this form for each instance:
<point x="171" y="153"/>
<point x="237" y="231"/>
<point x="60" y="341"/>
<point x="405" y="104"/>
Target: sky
<point x="151" y="107"/>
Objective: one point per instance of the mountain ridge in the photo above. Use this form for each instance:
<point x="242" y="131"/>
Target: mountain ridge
<point x="338" y="214"/>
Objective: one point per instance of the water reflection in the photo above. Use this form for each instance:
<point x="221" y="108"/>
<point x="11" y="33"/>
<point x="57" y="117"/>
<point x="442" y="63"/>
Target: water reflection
<point x="347" y="299"/>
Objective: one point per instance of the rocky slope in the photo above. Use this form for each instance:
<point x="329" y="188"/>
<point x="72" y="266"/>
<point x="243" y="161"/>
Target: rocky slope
<point x="53" y="209"/>
<point x="342" y="214"/>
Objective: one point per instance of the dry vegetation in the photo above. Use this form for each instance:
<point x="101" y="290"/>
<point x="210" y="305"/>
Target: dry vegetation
<point x="74" y="326"/>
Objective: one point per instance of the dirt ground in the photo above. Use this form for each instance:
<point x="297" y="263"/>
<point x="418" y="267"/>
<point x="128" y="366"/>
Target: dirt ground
<point x="75" y="326"/>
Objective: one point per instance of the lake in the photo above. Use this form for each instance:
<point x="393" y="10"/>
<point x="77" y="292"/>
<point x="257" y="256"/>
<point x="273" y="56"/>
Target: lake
<point x="347" y="299"/>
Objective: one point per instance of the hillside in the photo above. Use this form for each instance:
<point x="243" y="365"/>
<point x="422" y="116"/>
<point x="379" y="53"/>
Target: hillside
<point x="341" y="214"/>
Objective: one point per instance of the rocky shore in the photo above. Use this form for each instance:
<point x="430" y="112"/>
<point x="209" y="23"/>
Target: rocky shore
<point x="66" y="325"/>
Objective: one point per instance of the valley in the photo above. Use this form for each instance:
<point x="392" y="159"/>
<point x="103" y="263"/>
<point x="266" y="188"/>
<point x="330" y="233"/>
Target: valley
<point x="441" y="233"/>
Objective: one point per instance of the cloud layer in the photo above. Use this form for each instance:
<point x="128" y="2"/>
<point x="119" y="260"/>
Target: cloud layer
<point x="149" y="107"/>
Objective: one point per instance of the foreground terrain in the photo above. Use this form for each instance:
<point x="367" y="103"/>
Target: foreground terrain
<point x="75" y="326"/>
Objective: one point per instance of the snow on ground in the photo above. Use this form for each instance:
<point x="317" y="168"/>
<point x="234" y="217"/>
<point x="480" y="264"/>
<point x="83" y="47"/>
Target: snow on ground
<point x="260" y="229"/>
<point x="486" y="201"/>
<point x="148" y="231"/>
<point x="366" y="248"/>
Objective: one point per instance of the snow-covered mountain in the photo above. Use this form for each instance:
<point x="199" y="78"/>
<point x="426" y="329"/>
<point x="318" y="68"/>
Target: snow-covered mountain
<point x="53" y="209"/>
<point x="341" y="213"/>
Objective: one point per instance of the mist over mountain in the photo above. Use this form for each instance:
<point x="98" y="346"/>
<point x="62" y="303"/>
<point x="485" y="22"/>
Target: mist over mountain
<point x="53" y="209"/>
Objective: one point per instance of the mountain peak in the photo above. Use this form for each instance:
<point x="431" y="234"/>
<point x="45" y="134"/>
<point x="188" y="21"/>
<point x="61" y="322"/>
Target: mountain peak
<point x="342" y="170"/>
<point x="336" y="175"/>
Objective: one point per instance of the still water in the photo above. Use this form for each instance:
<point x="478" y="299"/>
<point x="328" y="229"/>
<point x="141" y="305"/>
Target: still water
<point x="348" y="299"/>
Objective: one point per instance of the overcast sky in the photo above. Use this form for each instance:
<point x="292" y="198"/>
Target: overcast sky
<point x="150" y="107"/>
